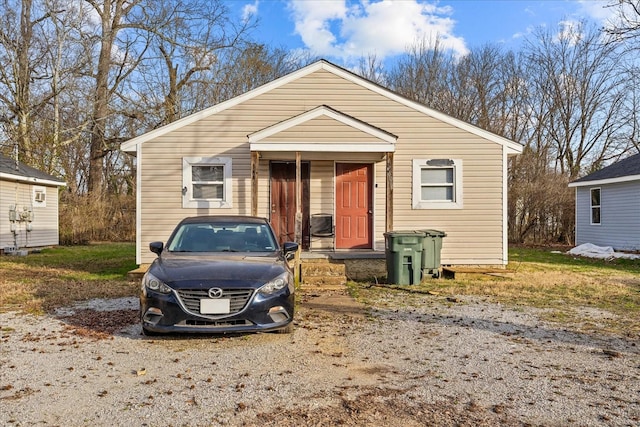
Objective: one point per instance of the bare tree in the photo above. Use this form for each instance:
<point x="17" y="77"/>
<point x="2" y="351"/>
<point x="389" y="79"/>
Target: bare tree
<point x="198" y="35"/>
<point x="626" y="23"/>
<point x="22" y="73"/>
<point x="251" y="67"/>
<point x="120" y="52"/>
<point x="422" y="74"/>
<point x="372" y="68"/>
<point x="580" y="92"/>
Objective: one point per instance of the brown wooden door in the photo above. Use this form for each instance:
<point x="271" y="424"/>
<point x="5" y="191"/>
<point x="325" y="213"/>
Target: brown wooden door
<point x="353" y="206"/>
<point x="283" y="201"/>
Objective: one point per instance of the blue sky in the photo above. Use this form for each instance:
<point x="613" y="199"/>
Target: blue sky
<point x="344" y="30"/>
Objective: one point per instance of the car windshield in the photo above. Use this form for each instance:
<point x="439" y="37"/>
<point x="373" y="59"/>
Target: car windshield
<point x="223" y="237"/>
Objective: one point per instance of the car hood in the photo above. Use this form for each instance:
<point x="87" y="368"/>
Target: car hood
<point x="182" y="270"/>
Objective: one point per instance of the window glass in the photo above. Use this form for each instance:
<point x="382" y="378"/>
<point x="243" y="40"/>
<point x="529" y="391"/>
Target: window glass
<point x="223" y="237"/>
<point x="208" y="191"/>
<point x="437" y="176"/>
<point x="207" y="173"/>
<point x="595" y="206"/>
<point x="437" y="193"/>
<point x="437" y="184"/>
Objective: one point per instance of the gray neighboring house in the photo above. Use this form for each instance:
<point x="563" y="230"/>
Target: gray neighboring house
<point x="608" y="206"/>
<point x="28" y="206"/>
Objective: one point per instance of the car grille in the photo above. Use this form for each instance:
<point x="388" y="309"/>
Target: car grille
<point x="215" y="324"/>
<point x="190" y="298"/>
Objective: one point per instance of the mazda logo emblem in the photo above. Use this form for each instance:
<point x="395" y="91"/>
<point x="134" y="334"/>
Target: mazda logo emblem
<point x="215" y="293"/>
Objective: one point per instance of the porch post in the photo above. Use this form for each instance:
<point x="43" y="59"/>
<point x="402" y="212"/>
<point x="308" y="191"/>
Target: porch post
<point x="389" y="204"/>
<point x="255" y="162"/>
<point x="298" y="231"/>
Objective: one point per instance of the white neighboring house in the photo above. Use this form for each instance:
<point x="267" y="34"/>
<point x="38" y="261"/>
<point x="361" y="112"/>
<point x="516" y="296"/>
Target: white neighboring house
<point x="607" y="206"/>
<point x="28" y="206"/>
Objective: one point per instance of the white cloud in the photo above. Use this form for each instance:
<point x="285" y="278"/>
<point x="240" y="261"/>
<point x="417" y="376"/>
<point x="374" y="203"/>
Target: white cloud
<point x="250" y="10"/>
<point x="350" y="30"/>
<point x="597" y="9"/>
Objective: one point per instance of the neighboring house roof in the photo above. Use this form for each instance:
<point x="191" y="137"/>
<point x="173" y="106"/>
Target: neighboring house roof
<point x="622" y="171"/>
<point x="21" y="172"/>
<point x="511" y="146"/>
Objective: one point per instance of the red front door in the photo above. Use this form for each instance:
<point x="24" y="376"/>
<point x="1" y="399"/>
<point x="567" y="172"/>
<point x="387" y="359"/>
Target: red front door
<point x="353" y="205"/>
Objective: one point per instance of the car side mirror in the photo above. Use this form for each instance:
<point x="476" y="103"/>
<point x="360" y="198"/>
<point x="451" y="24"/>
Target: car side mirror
<point x="156" y="247"/>
<point x="288" y="249"/>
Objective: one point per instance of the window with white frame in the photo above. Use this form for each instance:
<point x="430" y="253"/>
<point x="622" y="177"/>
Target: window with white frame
<point x="437" y="183"/>
<point x="595" y="206"/>
<point x="206" y="182"/>
<point x="39" y="197"/>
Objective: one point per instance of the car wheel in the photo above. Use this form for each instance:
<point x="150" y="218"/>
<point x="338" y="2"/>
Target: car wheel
<point x="286" y="330"/>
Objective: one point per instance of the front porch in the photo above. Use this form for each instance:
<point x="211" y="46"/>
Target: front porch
<point x="324" y="164"/>
<point x="332" y="269"/>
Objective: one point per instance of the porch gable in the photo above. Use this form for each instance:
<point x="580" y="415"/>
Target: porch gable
<point x="322" y="129"/>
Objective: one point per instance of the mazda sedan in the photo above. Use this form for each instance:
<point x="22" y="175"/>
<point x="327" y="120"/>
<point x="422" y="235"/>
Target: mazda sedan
<point x="219" y="274"/>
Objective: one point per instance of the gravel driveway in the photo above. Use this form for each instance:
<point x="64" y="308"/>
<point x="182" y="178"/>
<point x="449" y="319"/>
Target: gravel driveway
<point x="442" y="362"/>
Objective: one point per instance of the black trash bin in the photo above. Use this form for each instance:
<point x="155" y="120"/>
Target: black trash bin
<point x="403" y="251"/>
<point x="431" y="248"/>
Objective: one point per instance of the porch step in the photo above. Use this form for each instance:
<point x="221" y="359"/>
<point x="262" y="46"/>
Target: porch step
<point x="137" y="273"/>
<point x="323" y="274"/>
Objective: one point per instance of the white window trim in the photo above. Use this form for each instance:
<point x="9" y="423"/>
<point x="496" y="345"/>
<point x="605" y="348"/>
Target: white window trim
<point x="187" y="188"/>
<point x="39" y="199"/>
<point x="591" y="205"/>
<point x="418" y="164"/>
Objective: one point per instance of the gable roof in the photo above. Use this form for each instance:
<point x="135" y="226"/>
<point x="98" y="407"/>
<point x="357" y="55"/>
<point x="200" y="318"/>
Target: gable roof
<point x="132" y="144"/>
<point x="622" y="171"/>
<point x="370" y="138"/>
<point x="21" y="172"/>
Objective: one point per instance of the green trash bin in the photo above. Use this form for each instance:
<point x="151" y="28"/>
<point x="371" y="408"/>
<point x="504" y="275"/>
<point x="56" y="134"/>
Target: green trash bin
<point x="403" y="251"/>
<point x="431" y="248"/>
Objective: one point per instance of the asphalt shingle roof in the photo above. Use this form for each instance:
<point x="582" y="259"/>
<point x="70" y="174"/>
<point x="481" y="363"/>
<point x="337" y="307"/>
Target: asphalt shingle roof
<point x="8" y="166"/>
<point x="625" y="167"/>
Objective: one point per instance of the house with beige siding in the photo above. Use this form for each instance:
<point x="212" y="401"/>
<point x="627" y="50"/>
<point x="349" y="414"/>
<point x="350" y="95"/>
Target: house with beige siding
<point x="333" y="161"/>
<point x="28" y="205"/>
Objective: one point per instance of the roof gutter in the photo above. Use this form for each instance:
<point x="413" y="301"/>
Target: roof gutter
<point x="605" y="181"/>
<point x="31" y="180"/>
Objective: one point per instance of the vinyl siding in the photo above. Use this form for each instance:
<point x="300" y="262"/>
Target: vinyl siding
<point x="620" y="216"/>
<point x="474" y="233"/>
<point x="323" y="129"/>
<point x="45" y="219"/>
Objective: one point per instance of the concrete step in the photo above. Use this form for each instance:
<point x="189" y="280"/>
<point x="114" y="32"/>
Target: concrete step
<point x="322" y="269"/>
<point x="323" y="274"/>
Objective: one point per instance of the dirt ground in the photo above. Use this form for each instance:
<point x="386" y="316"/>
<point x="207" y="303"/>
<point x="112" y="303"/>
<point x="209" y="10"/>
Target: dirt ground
<point x="442" y="362"/>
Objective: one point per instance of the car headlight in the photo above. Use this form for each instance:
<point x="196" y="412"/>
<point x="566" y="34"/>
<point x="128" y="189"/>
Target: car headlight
<point x="273" y="286"/>
<point x="151" y="282"/>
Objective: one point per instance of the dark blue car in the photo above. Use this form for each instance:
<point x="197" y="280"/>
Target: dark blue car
<point x="219" y="274"/>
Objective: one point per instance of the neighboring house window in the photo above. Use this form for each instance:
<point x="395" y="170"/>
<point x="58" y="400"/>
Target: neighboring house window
<point x="39" y="197"/>
<point x="437" y="184"/>
<point x="206" y="182"/>
<point x="595" y="206"/>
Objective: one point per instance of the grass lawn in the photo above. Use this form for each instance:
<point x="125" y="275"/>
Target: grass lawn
<point x="60" y="276"/>
<point x="567" y="288"/>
